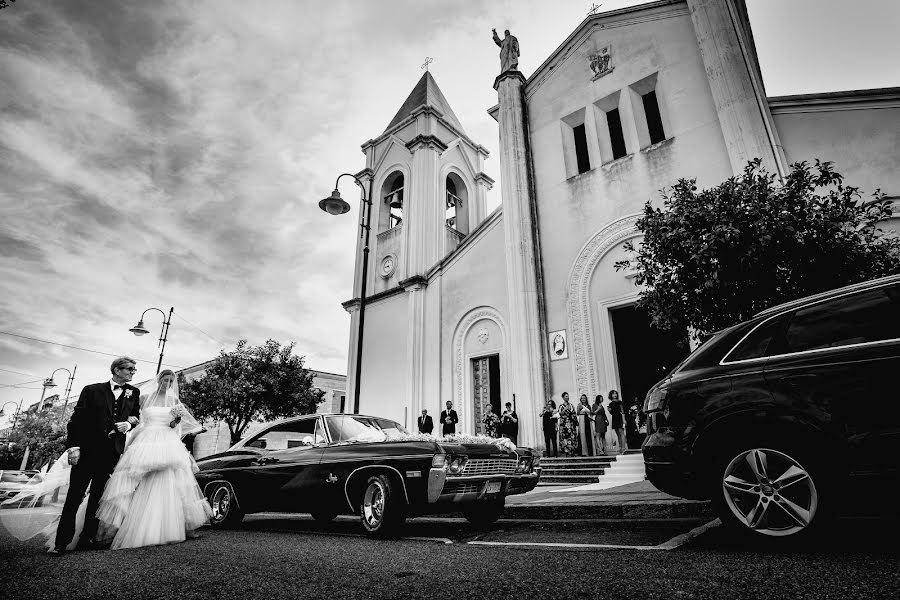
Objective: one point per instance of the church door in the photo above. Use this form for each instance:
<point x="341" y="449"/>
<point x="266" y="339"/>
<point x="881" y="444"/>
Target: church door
<point x="486" y="381"/>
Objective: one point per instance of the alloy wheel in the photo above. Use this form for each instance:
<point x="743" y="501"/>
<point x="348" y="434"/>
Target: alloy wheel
<point x="770" y="492"/>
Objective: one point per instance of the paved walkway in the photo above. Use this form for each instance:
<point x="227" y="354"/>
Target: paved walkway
<point x="638" y="500"/>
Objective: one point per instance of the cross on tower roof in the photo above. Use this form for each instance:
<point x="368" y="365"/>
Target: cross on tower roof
<point x="594" y="9"/>
<point x="428" y="60"/>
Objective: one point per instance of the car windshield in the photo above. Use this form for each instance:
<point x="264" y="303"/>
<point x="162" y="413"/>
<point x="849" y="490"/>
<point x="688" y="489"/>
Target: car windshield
<point x="16" y="477"/>
<point x="354" y="428"/>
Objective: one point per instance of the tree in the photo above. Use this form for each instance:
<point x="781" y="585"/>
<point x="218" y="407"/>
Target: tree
<point x="716" y="257"/>
<point x="42" y="431"/>
<point x="252" y="383"/>
<point x="6" y="3"/>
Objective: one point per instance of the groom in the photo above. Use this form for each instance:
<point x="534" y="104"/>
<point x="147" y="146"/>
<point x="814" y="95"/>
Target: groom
<point x="104" y="412"/>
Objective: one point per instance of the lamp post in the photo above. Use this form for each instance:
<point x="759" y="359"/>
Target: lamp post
<point x="335" y="205"/>
<point x="15" y="416"/>
<point x="49" y="383"/>
<point x="139" y="329"/>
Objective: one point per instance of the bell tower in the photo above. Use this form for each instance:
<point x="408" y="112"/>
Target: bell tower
<point x="428" y="194"/>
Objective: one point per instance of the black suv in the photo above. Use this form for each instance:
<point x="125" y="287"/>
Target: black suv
<point x="786" y="418"/>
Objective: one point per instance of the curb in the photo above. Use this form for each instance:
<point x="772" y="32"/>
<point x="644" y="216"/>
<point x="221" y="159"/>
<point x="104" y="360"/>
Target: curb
<point x="638" y="510"/>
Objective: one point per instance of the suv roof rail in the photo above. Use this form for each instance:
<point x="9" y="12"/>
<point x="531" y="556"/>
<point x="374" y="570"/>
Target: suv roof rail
<point x="863" y="285"/>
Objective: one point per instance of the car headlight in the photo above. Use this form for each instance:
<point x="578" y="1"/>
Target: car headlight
<point x="439" y="461"/>
<point x="457" y="465"/>
<point x="655" y="400"/>
<point x="524" y="464"/>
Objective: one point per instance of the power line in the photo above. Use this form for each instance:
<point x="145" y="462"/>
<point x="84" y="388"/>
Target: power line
<point x="198" y="329"/>
<point x="14" y="385"/>
<point x="25" y="337"/>
<point x="19" y="373"/>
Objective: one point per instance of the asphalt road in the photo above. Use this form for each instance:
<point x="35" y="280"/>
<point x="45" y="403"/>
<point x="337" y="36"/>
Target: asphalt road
<point x="293" y="557"/>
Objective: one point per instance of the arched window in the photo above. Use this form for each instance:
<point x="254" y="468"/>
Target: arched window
<point x="394" y="199"/>
<point x="457" y="213"/>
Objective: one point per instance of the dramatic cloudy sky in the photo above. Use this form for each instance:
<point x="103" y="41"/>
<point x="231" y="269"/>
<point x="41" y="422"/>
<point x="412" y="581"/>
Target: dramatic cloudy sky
<point x="157" y="154"/>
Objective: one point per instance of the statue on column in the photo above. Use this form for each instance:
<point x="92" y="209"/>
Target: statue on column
<point x="509" y="51"/>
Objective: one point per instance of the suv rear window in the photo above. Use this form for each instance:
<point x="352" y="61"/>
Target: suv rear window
<point x="869" y="316"/>
<point x="756" y="344"/>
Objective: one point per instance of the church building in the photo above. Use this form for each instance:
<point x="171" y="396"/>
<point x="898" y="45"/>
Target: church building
<point x="524" y="303"/>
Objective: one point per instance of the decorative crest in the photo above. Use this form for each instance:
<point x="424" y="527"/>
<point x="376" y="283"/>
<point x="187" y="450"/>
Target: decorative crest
<point x="601" y="63"/>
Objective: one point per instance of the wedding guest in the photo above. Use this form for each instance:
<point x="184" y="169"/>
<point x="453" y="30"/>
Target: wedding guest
<point x="425" y="422"/>
<point x="491" y="422"/>
<point x="601" y="424"/>
<point x="449" y="419"/>
<point x="549" y="417"/>
<point x="618" y="419"/>
<point x="585" y="420"/>
<point x="509" y="424"/>
<point x="568" y="426"/>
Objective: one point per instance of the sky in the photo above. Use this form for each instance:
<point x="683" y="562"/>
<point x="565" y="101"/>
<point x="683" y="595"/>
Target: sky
<point x="172" y="154"/>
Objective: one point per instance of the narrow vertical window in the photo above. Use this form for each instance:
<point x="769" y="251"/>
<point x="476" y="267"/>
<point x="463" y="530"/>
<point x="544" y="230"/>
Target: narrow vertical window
<point x="581" y="149"/>
<point x="654" y="120"/>
<point x="616" y="137"/>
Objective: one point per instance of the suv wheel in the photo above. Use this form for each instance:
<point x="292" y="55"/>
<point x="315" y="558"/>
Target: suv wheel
<point x="768" y="492"/>
<point x="381" y="508"/>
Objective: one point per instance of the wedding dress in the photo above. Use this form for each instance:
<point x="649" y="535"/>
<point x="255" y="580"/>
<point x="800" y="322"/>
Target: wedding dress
<point x="152" y="497"/>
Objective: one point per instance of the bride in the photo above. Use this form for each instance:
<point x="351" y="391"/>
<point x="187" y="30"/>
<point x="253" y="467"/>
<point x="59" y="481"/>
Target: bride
<point x="151" y="497"/>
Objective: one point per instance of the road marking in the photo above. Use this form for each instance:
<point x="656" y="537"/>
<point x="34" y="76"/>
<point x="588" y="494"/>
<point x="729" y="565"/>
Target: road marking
<point x="675" y="542"/>
<point x="680" y="540"/>
<point x="429" y="539"/>
<point x="562" y="545"/>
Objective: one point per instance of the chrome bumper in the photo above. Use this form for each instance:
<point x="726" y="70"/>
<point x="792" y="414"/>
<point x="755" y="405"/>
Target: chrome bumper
<point x="437" y="480"/>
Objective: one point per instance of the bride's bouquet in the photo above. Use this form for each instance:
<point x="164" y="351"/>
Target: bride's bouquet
<point x="178" y="411"/>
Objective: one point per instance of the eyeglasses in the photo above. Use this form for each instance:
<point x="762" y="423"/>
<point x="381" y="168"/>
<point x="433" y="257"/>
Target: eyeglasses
<point x="131" y="369"/>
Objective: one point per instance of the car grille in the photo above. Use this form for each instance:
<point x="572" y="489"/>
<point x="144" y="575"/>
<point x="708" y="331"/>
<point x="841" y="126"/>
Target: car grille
<point x="489" y="466"/>
<point x="463" y="488"/>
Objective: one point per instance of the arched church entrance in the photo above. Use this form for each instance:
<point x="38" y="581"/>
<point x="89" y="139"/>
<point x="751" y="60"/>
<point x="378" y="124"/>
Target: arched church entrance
<point x="614" y="342"/>
<point x="480" y="361"/>
<point x="486" y="388"/>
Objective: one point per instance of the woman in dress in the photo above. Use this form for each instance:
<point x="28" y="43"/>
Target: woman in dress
<point x="584" y="426"/>
<point x="618" y="419"/>
<point x="491" y="422"/>
<point x="568" y="426"/>
<point x="601" y="423"/>
<point x="152" y="497"/>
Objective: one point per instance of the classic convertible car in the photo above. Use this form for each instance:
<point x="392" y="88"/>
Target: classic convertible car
<point x="353" y="464"/>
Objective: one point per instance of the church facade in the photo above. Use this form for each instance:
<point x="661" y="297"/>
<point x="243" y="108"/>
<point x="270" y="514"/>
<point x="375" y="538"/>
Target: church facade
<point x="524" y="303"/>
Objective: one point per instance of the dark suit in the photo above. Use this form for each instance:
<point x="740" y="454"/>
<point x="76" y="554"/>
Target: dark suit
<point x="89" y="429"/>
<point x="454" y="419"/>
<point x="426" y="425"/>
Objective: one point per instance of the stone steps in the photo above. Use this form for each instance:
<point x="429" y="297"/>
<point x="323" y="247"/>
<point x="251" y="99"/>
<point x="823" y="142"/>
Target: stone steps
<point x="598" y="470"/>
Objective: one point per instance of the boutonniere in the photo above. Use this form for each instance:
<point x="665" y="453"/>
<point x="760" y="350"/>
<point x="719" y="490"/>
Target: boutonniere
<point x="128" y="393"/>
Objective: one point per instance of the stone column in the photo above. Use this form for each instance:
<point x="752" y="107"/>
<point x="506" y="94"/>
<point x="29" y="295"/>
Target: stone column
<point x="352" y="307"/>
<point x="739" y="99"/>
<point x="525" y="345"/>
<point x="414" y="388"/>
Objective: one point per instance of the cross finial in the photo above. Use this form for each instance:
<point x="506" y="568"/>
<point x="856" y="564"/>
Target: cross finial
<point x="428" y="61"/>
<point x="594" y="9"/>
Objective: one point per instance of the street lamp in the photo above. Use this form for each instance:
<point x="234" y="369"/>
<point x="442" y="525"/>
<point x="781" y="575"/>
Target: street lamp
<point x="139" y="329"/>
<point x="335" y="205"/>
<point x="15" y="416"/>
<point x="49" y="383"/>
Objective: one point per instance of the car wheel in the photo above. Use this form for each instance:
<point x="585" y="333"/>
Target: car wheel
<point x="225" y="510"/>
<point x="770" y="493"/>
<point x="381" y="508"/>
<point x="484" y="513"/>
<point x="323" y="515"/>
